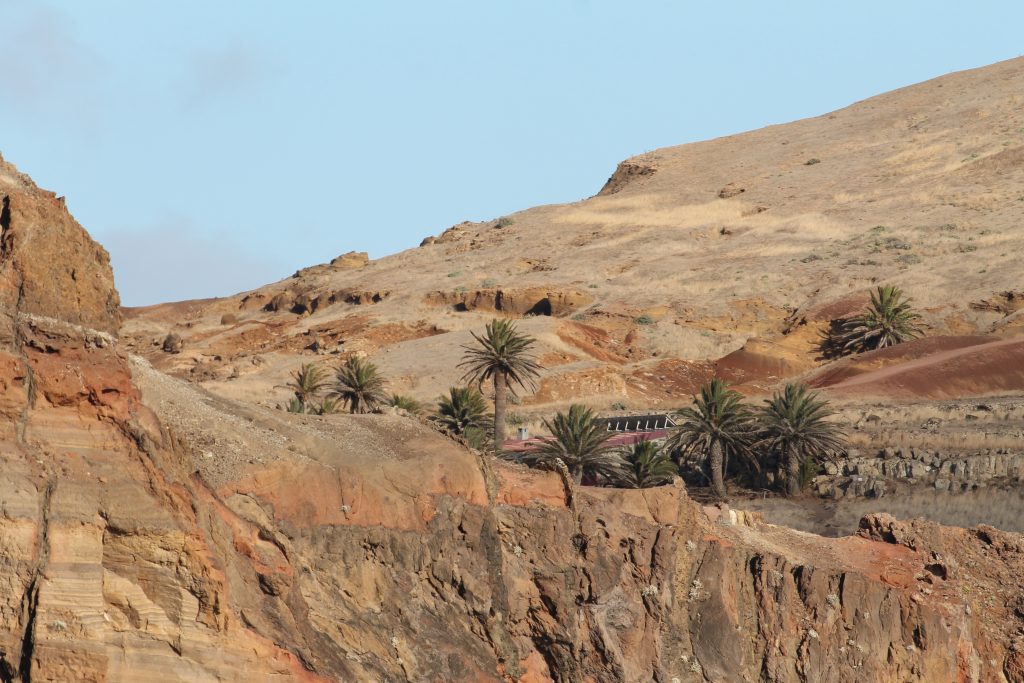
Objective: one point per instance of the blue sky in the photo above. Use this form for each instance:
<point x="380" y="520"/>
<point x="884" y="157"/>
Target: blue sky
<point x="215" y="147"/>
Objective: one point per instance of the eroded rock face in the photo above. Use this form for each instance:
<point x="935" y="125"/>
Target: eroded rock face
<point x="519" y="302"/>
<point x="152" y="532"/>
<point x="625" y="174"/>
<point x="48" y="264"/>
<point x="351" y="259"/>
<point x="109" y="569"/>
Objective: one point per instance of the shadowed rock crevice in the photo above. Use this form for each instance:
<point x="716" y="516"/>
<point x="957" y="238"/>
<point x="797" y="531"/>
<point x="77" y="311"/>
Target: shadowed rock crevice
<point x="5" y="226"/>
<point x="30" y="601"/>
<point x="531" y="301"/>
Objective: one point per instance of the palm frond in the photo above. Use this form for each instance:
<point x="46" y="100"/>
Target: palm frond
<point x="307" y="382"/>
<point x="579" y="441"/>
<point x="648" y="465"/>
<point x="500" y="349"/>
<point x="359" y="386"/>
<point x="462" y="409"/>
<point x="327" y="406"/>
<point x="406" y="403"/>
<point x="717" y="415"/>
<point x="888" y="320"/>
<point x="295" y="406"/>
<point x="794" y="424"/>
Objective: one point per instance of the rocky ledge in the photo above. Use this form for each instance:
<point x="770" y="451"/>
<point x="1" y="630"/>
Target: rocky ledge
<point x="894" y="470"/>
<point x="153" y="532"/>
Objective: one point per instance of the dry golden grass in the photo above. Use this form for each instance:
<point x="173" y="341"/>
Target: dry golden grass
<point x="921" y="187"/>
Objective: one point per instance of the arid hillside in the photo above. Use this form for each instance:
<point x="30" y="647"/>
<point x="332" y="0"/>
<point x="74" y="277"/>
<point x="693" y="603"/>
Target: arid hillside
<point x="157" y="530"/>
<point x="728" y="256"/>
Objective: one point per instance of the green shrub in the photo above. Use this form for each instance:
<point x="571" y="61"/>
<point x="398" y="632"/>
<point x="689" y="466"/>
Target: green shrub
<point x="644" y="320"/>
<point x="809" y="469"/>
<point x="477" y="438"/>
<point x="406" y="403"/>
<point x="515" y="419"/>
<point x="503" y="222"/>
<point x="897" y="243"/>
<point x="327" y="406"/>
<point x="812" y="162"/>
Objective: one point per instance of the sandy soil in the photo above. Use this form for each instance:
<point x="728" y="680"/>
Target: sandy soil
<point x="727" y="256"/>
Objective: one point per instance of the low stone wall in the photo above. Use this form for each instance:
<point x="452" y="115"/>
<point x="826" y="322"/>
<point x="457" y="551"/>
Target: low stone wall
<point x="895" y="469"/>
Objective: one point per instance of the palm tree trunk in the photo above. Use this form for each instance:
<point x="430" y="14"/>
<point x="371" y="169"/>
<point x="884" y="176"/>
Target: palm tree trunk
<point x="500" y="397"/>
<point x="792" y="472"/>
<point x="577" y="476"/>
<point x="715" y="464"/>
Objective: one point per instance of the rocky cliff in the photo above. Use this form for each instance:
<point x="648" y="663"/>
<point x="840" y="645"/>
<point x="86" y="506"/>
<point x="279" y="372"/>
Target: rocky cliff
<point x="152" y="531"/>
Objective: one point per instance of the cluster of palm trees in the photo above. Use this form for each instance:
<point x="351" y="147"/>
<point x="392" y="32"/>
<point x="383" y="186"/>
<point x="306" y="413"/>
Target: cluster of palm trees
<point x="500" y="355"/>
<point x="790" y="432"/>
<point x="791" y="429"/>
<point x="581" y="443"/>
<point x="357" y="385"/>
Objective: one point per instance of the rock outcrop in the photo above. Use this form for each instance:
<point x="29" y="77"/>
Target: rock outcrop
<point x="351" y="260"/>
<point x="517" y="302"/>
<point x="625" y="174"/>
<point x="896" y="469"/>
<point x="228" y="542"/>
<point x="154" y="532"/>
<point x="109" y="574"/>
<point x="48" y="264"/>
<point x="732" y="251"/>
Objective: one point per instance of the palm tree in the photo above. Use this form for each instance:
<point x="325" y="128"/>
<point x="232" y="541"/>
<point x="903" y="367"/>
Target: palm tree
<point x="464" y="408"/>
<point x="718" y="425"/>
<point x="581" y="443"/>
<point x="794" y="425"/>
<point x="327" y="406"/>
<point x="359" y="385"/>
<point x="406" y="403"/>
<point x="308" y="381"/>
<point x="501" y="354"/>
<point x="294" y="405"/>
<point x="888" y="320"/>
<point x="648" y="465"/>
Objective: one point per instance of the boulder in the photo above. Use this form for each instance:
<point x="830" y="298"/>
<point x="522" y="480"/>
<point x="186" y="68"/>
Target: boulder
<point x="280" y="302"/>
<point x="172" y="343"/>
<point x="731" y="190"/>
<point x="351" y="260"/>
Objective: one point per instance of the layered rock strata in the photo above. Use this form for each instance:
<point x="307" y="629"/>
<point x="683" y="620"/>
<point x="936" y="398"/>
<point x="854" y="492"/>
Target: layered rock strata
<point x="154" y="532"/>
